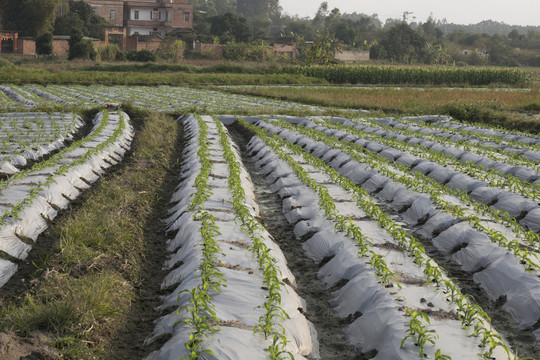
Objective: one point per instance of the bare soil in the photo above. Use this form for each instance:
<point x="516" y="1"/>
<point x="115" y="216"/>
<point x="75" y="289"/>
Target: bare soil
<point x="35" y="347"/>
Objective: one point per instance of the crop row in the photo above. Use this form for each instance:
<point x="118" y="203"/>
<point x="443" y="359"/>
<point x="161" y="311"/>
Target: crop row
<point x="475" y="253"/>
<point x="485" y="153"/>
<point x="30" y="199"/>
<point x="497" y="173"/>
<point x="342" y="74"/>
<point x="501" y="206"/>
<point x="481" y="131"/>
<point x="366" y="332"/>
<point x="161" y="98"/>
<point x="31" y="136"/>
<point x="454" y="202"/>
<point x="227" y="274"/>
<point x="475" y="177"/>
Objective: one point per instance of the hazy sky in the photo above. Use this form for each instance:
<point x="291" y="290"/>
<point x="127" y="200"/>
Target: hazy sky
<point x="512" y="12"/>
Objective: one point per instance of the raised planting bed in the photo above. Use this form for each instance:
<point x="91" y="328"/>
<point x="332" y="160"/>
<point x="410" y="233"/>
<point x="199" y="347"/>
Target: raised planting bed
<point x="230" y="289"/>
<point x="29" y="137"/>
<point x="29" y="200"/>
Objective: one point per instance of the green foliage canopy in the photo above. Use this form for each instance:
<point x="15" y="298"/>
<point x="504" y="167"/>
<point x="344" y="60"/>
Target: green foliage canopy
<point x="44" y="44"/>
<point x="230" y="24"/>
<point x="80" y="16"/>
<point x="29" y="17"/>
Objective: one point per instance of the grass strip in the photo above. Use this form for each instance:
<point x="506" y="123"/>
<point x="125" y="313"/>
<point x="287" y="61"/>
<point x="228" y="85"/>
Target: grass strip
<point x="20" y="75"/>
<point x="84" y="288"/>
<point x="512" y="110"/>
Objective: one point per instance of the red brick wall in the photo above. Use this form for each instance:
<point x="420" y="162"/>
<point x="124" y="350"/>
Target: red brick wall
<point x="60" y="47"/>
<point x="133" y="43"/>
<point x="26" y="47"/>
<point x="215" y="50"/>
<point x="99" y="44"/>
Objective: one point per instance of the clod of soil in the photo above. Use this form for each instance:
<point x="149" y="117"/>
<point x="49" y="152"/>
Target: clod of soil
<point x="35" y="347"/>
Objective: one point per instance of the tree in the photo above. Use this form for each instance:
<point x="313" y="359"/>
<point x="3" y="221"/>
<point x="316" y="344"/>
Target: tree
<point x="499" y="52"/>
<point x="324" y="49"/>
<point x="402" y="44"/>
<point x="346" y="32"/>
<point x="265" y="9"/>
<point x="302" y="28"/>
<point x="430" y="30"/>
<point x="80" y="16"/>
<point x="213" y="7"/>
<point x="171" y="49"/>
<point x="79" y="47"/>
<point x="44" y="44"/>
<point x="514" y="35"/>
<point x="319" y="21"/>
<point x="30" y="17"/>
<point x="230" y="25"/>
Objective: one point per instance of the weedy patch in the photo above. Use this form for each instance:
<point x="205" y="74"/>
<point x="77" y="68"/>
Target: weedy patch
<point x="82" y="293"/>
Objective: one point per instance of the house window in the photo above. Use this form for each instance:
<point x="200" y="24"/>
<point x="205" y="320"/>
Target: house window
<point x="154" y="15"/>
<point x="112" y="14"/>
<point x="186" y="17"/>
<point x="136" y="14"/>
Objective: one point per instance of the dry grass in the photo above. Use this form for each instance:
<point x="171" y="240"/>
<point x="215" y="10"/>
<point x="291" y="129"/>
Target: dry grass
<point x="513" y="109"/>
<point x="404" y="100"/>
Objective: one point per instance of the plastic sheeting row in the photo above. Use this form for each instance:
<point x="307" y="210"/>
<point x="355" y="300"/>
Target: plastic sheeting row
<point x="377" y="313"/>
<point x="17" y="96"/>
<point x="21" y="230"/>
<point x="526" y="211"/>
<point x="447" y="122"/>
<point x="31" y="136"/>
<point x="523" y="173"/>
<point x="162" y="98"/>
<point x="496" y="270"/>
<point x="41" y="91"/>
<point x="238" y="304"/>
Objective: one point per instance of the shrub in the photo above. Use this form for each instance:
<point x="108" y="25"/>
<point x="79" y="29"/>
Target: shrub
<point x="171" y="49"/>
<point x="5" y="64"/>
<point x="80" y="48"/>
<point x="141" y="56"/>
<point x="120" y="56"/>
<point x="110" y="53"/>
<point x="243" y="51"/>
<point x="44" y="44"/>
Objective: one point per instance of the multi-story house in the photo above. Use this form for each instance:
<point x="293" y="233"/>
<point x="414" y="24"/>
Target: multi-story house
<point x="110" y="10"/>
<point x="146" y="17"/>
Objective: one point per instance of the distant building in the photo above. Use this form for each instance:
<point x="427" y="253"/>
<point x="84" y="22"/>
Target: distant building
<point x="477" y="52"/>
<point x="290" y="51"/>
<point x="146" y="17"/>
<point x="352" y="56"/>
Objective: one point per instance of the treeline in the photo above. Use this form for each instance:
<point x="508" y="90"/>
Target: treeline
<point x="247" y="27"/>
<point x="395" y="40"/>
<point x="37" y="17"/>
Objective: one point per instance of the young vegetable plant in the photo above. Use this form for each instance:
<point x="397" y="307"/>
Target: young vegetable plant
<point x="417" y="331"/>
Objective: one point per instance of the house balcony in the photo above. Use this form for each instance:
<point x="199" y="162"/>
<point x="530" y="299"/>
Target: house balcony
<point x="149" y="4"/>
<point x="152" y="23"/>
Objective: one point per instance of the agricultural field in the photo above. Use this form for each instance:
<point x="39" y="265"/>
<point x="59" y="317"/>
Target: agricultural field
<point x="32" y="194"/>
<point x="198" y="228"/>
<point x="163" y="99"/>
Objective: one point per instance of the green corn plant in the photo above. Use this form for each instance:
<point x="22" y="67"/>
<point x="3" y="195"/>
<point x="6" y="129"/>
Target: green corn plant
<point x="418" y="332"/>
